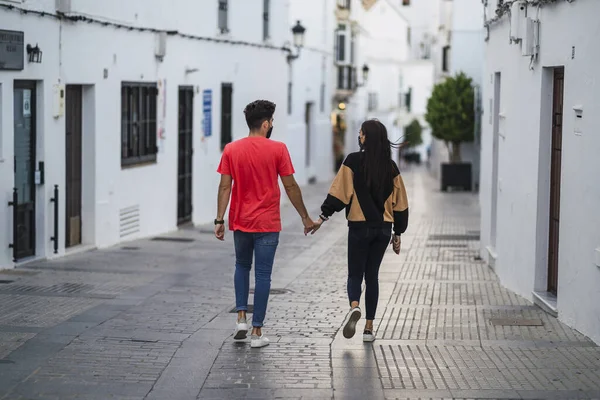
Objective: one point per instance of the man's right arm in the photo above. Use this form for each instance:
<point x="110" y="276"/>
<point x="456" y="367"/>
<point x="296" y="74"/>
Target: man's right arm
<point x="292" y="189"/>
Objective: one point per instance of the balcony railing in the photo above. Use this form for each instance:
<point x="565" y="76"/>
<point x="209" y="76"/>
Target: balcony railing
<point x="346" y="78"/>
<point x="344" y="4"/>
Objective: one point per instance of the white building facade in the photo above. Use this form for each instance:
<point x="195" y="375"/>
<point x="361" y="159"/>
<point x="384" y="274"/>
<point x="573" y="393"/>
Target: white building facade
<point x="540" y="191"/>
<point x="126" y="110"/>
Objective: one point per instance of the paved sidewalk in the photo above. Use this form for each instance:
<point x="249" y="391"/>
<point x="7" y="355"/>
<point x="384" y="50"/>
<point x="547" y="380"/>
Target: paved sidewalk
<point x="152" y="320"/>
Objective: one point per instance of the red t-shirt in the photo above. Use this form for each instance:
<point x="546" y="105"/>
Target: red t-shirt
<point x="255" y="164"/>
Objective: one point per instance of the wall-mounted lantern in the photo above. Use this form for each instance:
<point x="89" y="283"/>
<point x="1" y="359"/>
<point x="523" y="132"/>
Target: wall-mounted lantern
<point x="365" y="75"/>
<point x="298" y="30"/>
<point x="34" y="53"/>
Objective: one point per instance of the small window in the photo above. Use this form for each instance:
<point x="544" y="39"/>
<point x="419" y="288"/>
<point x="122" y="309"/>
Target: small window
<point x="223" y="16"/>
<point x="266" y="9"/>
<point x="372" y="102"/>
<point x="406" y="2"/>
<point x="408" y="100"/>
<point x="226" y="107"/>
<point x="138" y="123"/>
<point x="446" y="59"/>
<point x="340" y="43"/>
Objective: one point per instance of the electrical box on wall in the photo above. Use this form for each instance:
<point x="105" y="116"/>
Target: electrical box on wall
<point x="518" y="14"/>
<point x="63" y="6"/>
<point x="530" y="41"/>
<point x="577" y="124"/>
<point x="59" y="100"/>
<point x="161" y="45"/>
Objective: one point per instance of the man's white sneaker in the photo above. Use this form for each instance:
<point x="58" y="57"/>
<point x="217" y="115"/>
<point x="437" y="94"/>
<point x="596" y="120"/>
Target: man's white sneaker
<point x="350" y="322"/>
<point x="258" y="341"/>
<point x="241" y="330"/>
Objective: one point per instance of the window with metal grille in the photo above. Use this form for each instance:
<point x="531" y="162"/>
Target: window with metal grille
<point x="223" y="16"/>
<point x="373" y="100"/>
<point x="266" y="7"/>
<point x="340" y="44"/>
<point x="226" y="107"/>
<point x="138" y="123"/>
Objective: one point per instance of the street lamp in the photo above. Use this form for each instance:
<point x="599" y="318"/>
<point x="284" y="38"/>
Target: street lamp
<point x="298" y="30"/>
<point x="365" y="75"/>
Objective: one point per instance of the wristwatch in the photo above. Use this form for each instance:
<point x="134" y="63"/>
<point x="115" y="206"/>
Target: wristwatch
<point x="217" y="222"/>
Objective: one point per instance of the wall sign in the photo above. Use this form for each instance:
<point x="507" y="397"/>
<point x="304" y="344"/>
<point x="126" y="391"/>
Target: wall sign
<point x="207" y="112"/>
<point x="12" y="50"/>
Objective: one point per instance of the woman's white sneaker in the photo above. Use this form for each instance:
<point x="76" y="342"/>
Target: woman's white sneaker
<point x="350" y="322"/>
<point x="241" y="330"/>
<point x="368" y="336"/>
<point x="258" y="341"/>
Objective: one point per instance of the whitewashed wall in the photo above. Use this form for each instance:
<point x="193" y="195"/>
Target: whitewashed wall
<point x="84" y="52"/>
<point x="524" y="160"/>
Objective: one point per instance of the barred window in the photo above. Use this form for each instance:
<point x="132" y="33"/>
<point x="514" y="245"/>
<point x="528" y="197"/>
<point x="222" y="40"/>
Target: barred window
<point x="138" y="123"/>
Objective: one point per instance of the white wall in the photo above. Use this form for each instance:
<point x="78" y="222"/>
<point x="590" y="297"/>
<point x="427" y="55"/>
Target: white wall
<point x="86" y="50"/>
<point x="313" y="68"/>
<point x="524" y="153"/>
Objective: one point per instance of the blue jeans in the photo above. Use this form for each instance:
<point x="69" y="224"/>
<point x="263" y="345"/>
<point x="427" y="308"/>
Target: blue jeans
<point x="263" y="246"/>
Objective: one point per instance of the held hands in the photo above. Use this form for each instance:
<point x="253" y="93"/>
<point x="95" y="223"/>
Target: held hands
<point x="396" y="243"/>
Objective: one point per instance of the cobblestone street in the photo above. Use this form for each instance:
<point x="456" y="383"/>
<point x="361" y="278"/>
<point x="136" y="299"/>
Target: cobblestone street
<point x="153" y="319"/>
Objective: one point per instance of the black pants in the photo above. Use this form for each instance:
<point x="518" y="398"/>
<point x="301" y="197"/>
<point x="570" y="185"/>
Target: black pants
<point x="366" y="248"/>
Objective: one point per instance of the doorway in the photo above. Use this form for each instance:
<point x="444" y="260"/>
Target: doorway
<point x="73" y="165"/>
<point x="495" y="157"/>
<point x="24" y="98"/>
<point x="555" y="179"/>
<point x="186" y="151"/>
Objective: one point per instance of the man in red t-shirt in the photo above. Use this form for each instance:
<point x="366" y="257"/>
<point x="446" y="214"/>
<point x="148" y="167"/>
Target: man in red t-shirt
<point x="253" y="165"/>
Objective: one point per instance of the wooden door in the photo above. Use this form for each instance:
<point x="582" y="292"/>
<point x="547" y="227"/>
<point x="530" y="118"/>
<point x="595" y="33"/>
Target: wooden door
<point x="185" y="167"/>
<point x="73" y="130"/>
<point x="555" y="179"/>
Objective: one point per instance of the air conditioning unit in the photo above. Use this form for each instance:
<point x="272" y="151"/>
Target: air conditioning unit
<point x="63" y="6"/>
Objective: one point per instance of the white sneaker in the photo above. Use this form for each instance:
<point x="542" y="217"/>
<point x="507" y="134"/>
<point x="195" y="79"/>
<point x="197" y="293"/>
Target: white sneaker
<point x="241" y="330"/>
<point x="368" y="336"/>
<point x="350" y="322"/>
<point x="258" y="341"/>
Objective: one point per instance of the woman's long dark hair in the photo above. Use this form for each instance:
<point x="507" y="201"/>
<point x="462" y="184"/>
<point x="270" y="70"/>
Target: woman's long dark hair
<point x="378" y="168"/>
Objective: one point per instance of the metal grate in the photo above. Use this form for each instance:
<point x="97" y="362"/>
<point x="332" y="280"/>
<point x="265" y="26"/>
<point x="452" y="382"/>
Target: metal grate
<point x="62" y="288"/>
<point x="130" y="248"/>
<point x="172" y="239"/>
<point x="447" y="245"/>
<point x="516" y="322"/>
<point x="454" y="237"/>
<point x="4" y="281"/>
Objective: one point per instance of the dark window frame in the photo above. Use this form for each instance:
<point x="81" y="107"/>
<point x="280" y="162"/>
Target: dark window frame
<point x="266" y="15"/>
<point x="139" y="110"/>
<point x="223" y="16"/>
<point x="226" y="114"/>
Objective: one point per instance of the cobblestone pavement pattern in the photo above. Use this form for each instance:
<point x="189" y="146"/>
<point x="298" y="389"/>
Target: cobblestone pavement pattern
<point x="152" y="319"/>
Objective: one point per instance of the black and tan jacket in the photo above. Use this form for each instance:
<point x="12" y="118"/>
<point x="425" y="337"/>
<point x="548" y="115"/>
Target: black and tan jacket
<point x="349" y="190"/>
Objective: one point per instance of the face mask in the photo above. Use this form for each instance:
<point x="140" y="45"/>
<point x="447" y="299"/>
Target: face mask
<point x="269" y="132"/>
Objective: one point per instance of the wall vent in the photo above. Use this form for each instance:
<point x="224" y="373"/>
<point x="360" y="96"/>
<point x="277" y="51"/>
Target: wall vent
<point x="129" y="221"/>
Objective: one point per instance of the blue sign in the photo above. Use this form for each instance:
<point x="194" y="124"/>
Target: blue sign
<point x="207" y="111"/>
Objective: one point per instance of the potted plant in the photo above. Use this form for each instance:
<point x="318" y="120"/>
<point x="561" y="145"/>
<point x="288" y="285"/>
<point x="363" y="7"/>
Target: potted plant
<point x="413" y="136"/>
<point x="450" y="113"/>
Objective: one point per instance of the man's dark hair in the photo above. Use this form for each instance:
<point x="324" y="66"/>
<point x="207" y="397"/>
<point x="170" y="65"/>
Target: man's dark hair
<point x="258" y="112"/>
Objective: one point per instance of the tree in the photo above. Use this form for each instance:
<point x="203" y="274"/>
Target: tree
<point x="451" y="114"/>
<point x="413" y="134"/>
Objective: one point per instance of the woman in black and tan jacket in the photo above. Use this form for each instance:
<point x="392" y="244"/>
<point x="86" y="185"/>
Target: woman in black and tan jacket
<point x="369" y="187"/>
